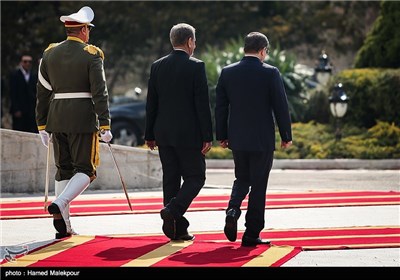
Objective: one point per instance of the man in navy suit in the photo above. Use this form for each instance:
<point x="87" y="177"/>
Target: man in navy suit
<point x="178" y="121"/>
<point x="250" y="99"/>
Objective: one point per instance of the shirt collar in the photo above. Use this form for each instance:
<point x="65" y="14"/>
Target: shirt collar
<point x="72" y="38"/>
<point x="253" y="55"/>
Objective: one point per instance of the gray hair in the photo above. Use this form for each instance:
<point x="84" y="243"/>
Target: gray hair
<point x="180" y="33"/>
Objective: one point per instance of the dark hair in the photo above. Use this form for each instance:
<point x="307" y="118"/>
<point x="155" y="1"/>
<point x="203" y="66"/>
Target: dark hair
<point x="254" y="42"/>
<point x="26" y="53"/>
<point x="180" y="33"/>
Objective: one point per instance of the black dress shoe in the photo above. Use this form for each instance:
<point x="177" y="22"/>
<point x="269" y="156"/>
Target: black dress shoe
<point x="62" y="235"/>
<point x="58" y="220"/>
<point x="230" y="228"/>
<point x="169" y="224"/>
<point x="251" y="242"/>
<point x="185" y="237"/>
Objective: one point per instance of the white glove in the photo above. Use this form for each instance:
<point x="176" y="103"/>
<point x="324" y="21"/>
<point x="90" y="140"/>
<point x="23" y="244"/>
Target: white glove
<point x="106" y="135"/>
<point x="45" y="137"/>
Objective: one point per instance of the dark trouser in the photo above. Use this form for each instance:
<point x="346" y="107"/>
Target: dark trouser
<point x="251" y="170"/>
<point x="177" y="164"/>
<point x="75" y="152"/>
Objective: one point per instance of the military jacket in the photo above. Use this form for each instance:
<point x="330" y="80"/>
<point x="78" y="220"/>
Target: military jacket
<point x="74" y="70"/>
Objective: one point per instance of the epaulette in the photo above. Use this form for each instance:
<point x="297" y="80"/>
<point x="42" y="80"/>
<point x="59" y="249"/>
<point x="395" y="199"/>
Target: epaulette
<point x="52" y="45"/>
<point x="92" y="49"/>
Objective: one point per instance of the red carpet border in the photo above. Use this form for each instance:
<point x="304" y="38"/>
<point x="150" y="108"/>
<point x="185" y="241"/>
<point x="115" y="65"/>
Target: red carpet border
<point x="209" y="249"/>
<point x="20" y="209"/>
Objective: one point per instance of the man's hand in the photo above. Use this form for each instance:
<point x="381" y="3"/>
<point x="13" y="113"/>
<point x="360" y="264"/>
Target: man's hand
<point x="45" y="137"/>
<point x="285" y="145"/>
<point x="106" y="135"/>
<point x="206" y="147"/>
<point x="151" y="144"/>
<point x="224" y="143"/>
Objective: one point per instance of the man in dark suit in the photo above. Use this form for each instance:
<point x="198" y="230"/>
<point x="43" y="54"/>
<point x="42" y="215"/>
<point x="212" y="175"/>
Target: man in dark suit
<point x="178" y="121"/>
<point x="23" y="96"/>
<point x="250" y="98"/>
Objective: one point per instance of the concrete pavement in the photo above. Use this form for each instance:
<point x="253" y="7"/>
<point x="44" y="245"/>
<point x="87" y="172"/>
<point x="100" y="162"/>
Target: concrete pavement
<point x="36" y="232"/>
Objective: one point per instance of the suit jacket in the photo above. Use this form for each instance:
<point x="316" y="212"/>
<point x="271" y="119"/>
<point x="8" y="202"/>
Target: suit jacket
<point x="23" y="94"/>
<point x="72" y="66"/>
<point x="249" y="96"/>
<point x="178" y="110"/>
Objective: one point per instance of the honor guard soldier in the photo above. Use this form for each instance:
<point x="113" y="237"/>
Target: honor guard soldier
<point x="72" y="107"/>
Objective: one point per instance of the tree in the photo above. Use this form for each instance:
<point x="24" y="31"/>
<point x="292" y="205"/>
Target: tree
<point x="382" y="45"/>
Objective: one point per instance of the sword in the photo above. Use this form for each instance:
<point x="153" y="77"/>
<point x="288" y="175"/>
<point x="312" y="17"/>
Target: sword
<point x="119" y="174"/>
<point x="46" y="187"/>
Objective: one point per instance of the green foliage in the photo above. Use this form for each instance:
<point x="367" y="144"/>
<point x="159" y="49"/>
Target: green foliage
<point x="382" y="45"/>
<point x="308" y="141"/>
<point x="217" y="152"/>
<point x="374" y="95"/>
<point x="317" y="107"/>
<point x="317" y="141"/>
<point x="294" y="82"/>
<point x="379" y="142"/>
<point x="215" y="59"/>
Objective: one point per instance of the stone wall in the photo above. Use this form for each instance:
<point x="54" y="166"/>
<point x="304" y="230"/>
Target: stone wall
<point x="23" y="166"/>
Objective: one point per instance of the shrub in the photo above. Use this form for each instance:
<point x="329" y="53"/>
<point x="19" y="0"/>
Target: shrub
<point x="374" y="95"/>
<point x="218" y="152"/>
<point x="317" y="141"/>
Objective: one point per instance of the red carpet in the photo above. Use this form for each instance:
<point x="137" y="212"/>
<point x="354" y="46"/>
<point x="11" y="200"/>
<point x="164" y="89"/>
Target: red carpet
<point x="22" y="209"/>
<point x="208" y="249"/>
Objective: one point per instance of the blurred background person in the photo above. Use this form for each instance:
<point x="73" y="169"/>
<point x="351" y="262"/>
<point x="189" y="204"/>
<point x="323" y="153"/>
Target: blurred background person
<point x="23" y="96"/>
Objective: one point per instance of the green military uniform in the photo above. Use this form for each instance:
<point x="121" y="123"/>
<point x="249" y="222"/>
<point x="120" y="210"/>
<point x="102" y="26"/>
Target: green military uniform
<point x="72" y="104"/>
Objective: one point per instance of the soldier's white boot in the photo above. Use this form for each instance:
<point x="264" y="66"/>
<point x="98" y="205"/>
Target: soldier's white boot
<point x="76" y="185"/>
<point x="59" y="188"/>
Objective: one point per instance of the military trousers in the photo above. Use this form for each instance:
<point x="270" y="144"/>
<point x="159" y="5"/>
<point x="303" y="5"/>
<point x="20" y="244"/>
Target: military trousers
<point x="76" y="153"/>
